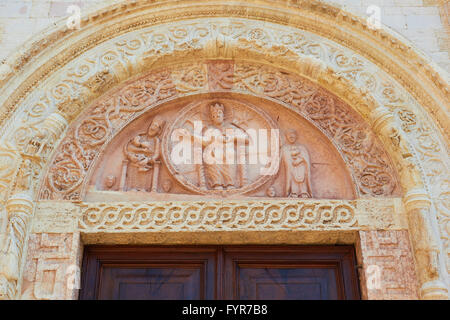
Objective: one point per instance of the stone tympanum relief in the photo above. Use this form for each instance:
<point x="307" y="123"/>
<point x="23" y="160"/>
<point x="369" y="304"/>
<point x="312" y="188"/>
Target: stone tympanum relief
<point x="125" y="141"/>
<point x="220" y="146"/>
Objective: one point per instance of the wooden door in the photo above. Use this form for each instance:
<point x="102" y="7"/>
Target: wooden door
<point x="219" y="272"/>
<point x="165" y="273"/>
<point x="290" y="273"/>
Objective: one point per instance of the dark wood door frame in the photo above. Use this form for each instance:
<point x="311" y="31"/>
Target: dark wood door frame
<point x="220" y="267"/>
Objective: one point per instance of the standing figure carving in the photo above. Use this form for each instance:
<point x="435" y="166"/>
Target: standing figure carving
<point x="297" y="166"/>
<point x="144" y="151"/>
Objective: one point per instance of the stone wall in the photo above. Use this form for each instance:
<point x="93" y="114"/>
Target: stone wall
<point x="423" y="22"/>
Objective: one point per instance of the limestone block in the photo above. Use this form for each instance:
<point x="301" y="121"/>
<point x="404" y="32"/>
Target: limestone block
<point x="423" y="21"/>
<point x="40" y="9"/>
<point x="52" y="266"/>
<point x="408" y="3"/>
<point x="56" y="217"/>
<point x="434" y="11"/>
<point x="59" y="8"/>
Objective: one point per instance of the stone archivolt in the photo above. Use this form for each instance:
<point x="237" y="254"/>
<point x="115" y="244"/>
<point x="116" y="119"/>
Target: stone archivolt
<point x="306" y="14"/>
<point x="418" y="149"/>
<point x="349" y="67"/>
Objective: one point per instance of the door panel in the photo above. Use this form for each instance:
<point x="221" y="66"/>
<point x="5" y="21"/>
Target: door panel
<point x="290" y="272"/>
<point x="147" y="273"/>
<point x="219" y="272"/>
<point x="258" y="282"/>
<point x="152" y="282"/>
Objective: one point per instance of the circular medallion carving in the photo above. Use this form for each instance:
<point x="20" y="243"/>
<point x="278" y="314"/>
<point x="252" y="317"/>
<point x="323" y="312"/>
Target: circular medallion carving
<point x="221" y="147"/>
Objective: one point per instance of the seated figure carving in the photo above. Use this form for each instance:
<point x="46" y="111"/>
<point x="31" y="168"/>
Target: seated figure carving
<point x="144" y="150"/>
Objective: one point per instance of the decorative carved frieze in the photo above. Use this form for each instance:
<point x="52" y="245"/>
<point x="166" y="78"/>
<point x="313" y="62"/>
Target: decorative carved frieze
<point x="269" y="215"/>
<point x="215" y="216"/>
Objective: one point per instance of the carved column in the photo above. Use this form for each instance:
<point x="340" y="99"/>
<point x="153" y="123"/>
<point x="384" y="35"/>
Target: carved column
<point x="384" y="124"/>
<point x="426" y="248"/>
<point x="417" y="203"/>
<point x="20" y="209"/>
<point x="19" y="205"/>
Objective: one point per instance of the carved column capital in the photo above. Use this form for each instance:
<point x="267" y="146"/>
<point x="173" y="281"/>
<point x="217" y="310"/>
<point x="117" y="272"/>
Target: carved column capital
<point x="383" y="122"/>
<point x="434" y="290"/>
<point x="19" y="202"/>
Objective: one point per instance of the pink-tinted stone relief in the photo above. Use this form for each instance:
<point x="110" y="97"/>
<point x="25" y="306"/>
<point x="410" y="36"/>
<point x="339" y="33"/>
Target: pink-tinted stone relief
<point x="281" y="136"/>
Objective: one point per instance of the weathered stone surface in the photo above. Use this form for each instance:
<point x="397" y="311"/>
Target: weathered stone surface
<point x="225" y="215"/>
<point x="387" y="265"/>
<point x="52" y="267"/>
<point x="56" y="217"/>
<point x="399" y="94"/>
<point x="241" y="215"/>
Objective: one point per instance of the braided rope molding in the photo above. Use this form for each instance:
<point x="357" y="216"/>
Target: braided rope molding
<point x="268" y="215"/>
